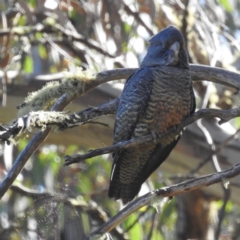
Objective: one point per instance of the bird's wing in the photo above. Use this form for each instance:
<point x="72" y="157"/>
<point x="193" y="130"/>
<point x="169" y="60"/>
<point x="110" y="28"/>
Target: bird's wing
<point x="132" y="104"/>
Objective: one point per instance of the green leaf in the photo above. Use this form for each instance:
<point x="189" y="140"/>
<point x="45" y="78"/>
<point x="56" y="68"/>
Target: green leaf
<point x="136" y="231"/>
<point x="229" y="205"/>
<point x="85" y="222"/>
<point x="32" y="3"/>
<point x="127" y="28"/>
<point x="237" y="122"/>
<point x="156" y="235"/>
<point x="22" y="20"/>
<point x="28" y="64"/>
<point x="124" y="47"/>
<point x="42" y="51"/>
<point x="73" y="14"/>
<point x="71" y="149"/>
<point x="168" y="214"/>
<point x="22" y="143"/>
<point x="226" y="5"/>
<point x="38" y="35"/>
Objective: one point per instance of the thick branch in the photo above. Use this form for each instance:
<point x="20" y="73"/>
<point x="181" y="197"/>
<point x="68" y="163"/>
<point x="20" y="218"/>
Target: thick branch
<point x="198" y="72"/>
<point x="173" y="190"/>
<point x="214" y="74"/>
<point x="224" y="115"/>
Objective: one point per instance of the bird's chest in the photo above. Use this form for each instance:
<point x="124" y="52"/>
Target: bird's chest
<point x="167" y="106"/>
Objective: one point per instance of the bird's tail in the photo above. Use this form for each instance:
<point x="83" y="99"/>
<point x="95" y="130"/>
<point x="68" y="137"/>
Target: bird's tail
<point x="127" y="192"/>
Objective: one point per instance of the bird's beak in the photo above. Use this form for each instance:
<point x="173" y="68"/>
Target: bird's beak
<point x="175" y="48"/>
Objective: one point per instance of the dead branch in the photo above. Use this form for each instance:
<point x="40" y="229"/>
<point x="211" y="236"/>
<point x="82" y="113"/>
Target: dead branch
<point x="224" y="115"/>
<point x="174" y="190"/>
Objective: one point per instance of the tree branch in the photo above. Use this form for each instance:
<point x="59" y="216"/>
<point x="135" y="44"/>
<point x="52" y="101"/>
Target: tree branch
<point x="63" y="121"/>
<point x="197" y="72"/>
<point x="219" y="148"/>
<point x="56" y="29"/>
<point x="31" y="147"/>
<point x="170" y="191"/>
<point x="34" y="119"/>
<point x="137" y="18"/>
<point x="214" y="74"/>
<point x="224" y="115"/>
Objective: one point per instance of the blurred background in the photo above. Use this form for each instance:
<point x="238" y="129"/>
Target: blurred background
<point x="39" y="40"/>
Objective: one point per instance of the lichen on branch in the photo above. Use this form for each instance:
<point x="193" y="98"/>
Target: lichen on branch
<point x="72" y="84"/>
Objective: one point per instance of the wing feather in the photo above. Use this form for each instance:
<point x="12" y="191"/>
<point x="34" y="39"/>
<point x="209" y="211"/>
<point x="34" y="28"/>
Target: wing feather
<point x="132" y="104"/>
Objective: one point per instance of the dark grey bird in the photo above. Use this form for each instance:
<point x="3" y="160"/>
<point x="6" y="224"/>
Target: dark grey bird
<point x="153" y="101"/>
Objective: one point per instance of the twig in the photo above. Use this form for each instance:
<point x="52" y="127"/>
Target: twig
<point x="222" y="212"/>
<point x="224" y="115"/>
<point x="216" y="151"/>
<point x="215" y="163"/>
<point x="89" y="114"/>
<point x="137" y="18"/>
<point x="173" y="190"/>
<point x="154" y="219"/>
<point x="66" y="33"/>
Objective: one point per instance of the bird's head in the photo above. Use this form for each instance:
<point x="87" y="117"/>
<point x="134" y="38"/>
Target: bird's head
<point x="166" y="48"/>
